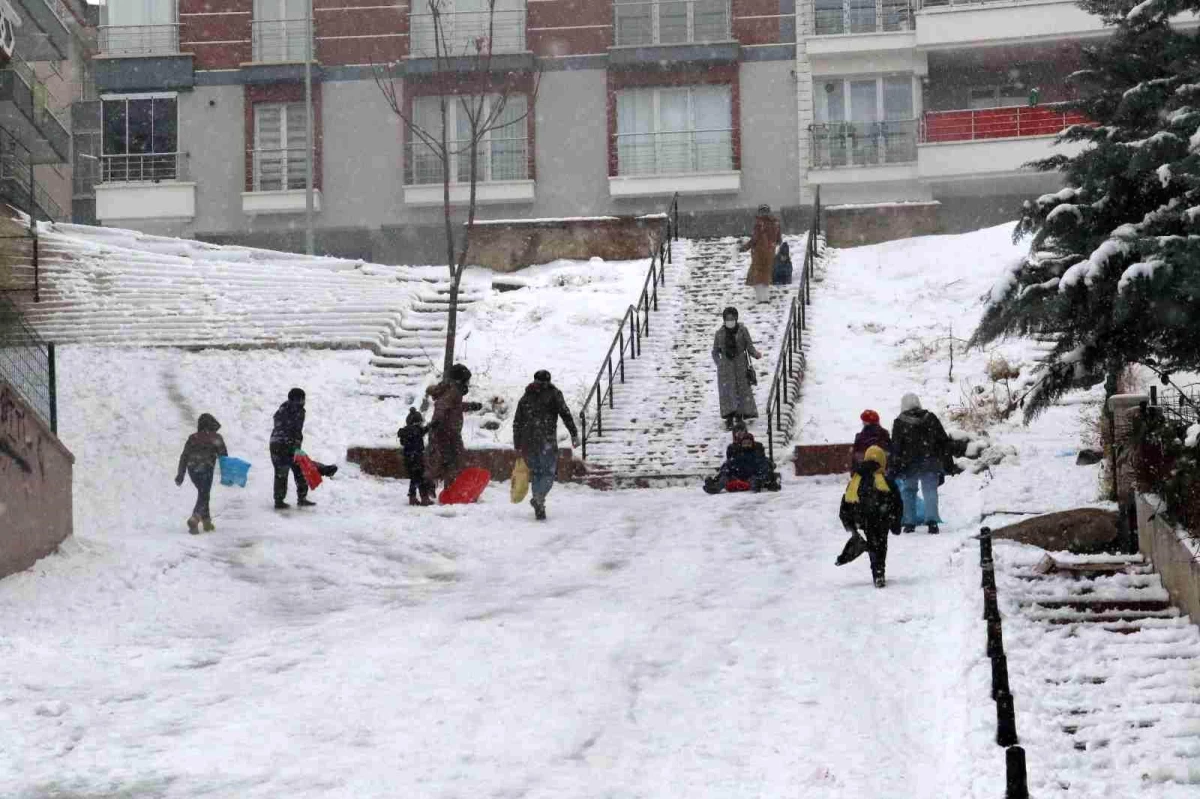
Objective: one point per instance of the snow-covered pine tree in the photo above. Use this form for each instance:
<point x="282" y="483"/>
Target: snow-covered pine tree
<point x="1113" y="270"/>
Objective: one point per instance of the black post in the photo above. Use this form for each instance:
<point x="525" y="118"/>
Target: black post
<point x="1006" y="720"/>
<point x="1016" y="777"/>
<point x="37" y="269"/>
<point x="633" y="338"/>
<point x="611" y="393"/>
<point x="53" y="388"/>
<point x="599" y="410"/>
<point x="621" y="352"/>
<point x="991" y="609"/>
<point x="1000" y="676"/>
<point x="583" y="434"/>
<point x="770" y="438"/>
<point x="989" y="576"/>
<point x="995" y="639"/>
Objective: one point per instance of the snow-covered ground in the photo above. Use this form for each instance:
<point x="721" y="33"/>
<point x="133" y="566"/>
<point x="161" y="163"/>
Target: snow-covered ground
<point x="640" y="643"/>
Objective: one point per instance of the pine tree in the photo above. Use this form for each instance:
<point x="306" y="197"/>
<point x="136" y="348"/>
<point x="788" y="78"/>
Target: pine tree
<point x="1113" y="270"/>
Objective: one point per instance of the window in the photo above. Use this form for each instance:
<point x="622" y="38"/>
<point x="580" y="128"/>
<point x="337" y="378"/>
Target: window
<point x="139" y="27"/>
<point x="996" y="97"/>
<point x="641" y="22"/>
<point x="832" y="17"/>
<point x="683" y="129"/>
<point x="502" y="155"/>
<point x="140" y="139"/>
<point x="465" y="26"/>
<point x="280" y="146"/>
<point x="280" y="31"/>
<point x="864" y="121"/>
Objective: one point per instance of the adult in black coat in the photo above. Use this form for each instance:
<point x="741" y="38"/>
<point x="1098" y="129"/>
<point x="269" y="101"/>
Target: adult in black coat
<point x="872" y="506"/>
<point x="287" y="436"/>
<point x="535" y="435"/>
<point x="918" y="458"/>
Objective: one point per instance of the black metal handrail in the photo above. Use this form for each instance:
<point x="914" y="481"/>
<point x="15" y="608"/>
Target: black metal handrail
<point x="793" y="334"/>
<point x="636" y="322"/>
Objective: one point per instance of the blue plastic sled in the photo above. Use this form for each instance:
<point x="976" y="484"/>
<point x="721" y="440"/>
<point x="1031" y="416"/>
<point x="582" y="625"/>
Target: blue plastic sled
<point x="233" y="471"/>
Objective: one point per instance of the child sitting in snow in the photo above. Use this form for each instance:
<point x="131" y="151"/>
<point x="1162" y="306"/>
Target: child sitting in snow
<point x="746" y="462"/>
<point x="872" y="506"/>
<point x="199" y="459"/>
<point x="412" y="443"/>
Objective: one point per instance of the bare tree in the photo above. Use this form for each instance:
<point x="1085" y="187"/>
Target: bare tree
<point x="464" y="75"/>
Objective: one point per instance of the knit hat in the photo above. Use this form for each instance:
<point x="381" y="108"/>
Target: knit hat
<point x="909" y="402"/>
<point x="869" y="417"/>
<point x="460" y="373"/>
<point x="414" y="417"/>
<point x="764" y="209"/>
<point x="296" y="395"/>
<point x="541" y="376"/>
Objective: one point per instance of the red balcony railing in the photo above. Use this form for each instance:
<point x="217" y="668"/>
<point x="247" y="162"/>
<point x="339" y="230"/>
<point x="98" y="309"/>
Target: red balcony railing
<point x="997" y="123"/>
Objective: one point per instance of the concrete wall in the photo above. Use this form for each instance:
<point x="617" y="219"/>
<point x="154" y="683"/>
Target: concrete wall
<point x="1180" y="572"/>
<point x="512" y="246"/>
<point x="852" y="227"/>
<point x="388" y="462"/>
<point x="572" y="148"/>
<point x="35" y="485"/>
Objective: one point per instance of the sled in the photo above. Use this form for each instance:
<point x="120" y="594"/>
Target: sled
<point x="312" y="475"/>
<point x="737" y="485"/>
<point x="713" y="485"/>
<point x="467" y="487"/>
<point x="234" y="471"/>
<point x="520" y="481"/>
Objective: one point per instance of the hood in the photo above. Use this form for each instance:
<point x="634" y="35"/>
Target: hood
<point x="910" y="402"/>
<point x="414" y="417"/>
<point x="876" y="455"/>
<point x="207" y="423"/>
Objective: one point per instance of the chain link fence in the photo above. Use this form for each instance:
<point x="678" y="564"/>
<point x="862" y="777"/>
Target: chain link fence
<point x="27" y="363"/>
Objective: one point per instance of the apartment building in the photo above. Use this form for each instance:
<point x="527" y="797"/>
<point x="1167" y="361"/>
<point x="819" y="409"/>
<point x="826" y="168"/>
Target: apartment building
<point x="44" y="51"/>
<point x="200" y="126"/>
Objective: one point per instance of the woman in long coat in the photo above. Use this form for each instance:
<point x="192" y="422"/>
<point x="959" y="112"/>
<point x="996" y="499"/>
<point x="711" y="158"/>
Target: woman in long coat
<point x="766" y="237"/>
<point x="446" y="450"/>
<point x="732" y="350"/>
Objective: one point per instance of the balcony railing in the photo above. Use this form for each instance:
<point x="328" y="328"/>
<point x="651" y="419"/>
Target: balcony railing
<point x="139" y="39"/>
<point x="861" y="144"/>
<point x="871" y="17"/>
<point x="948" y="3"/>
<point x="498" y="160"/>
<point x="16" y="176"/>
<point x="674" y="152"/>
<point x="142" y="168"/>
<point x="645" y="22"/>
<point x="997" y="123"/>
<point x="280" y="169"/>
<point x="37" y="98"/>
<point x="465" y="33"/>
<point x="276" y="41"/>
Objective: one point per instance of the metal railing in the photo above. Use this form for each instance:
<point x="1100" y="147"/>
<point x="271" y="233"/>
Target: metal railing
<point x="276" y="41"/>
<point x="280" y="169"/>
<point x="784" y="383"/>
<point x="674" y="152"/>
<point x="27" y="363"/>
<point x="17" y="184"/>
<point x="645" y="22"/>
<point x="142" y="168"/>
<point x="634" y="326"/>
<point x="951" y="3"/>
<point x="139" y="39"/>
<point x="498" y="159"/>
<point x="1007" y="122"/>
<point x="465" y="33"/>
<point x="840" y="144"/>
<point x="41" y="111"/>
<point x="855" y="17"/>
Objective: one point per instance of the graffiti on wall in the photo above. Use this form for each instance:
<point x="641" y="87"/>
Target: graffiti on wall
<point x="21" y="437"/>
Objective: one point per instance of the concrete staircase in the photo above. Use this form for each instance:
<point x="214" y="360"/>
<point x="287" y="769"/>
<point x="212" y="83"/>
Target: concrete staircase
<point x="666" y="422"/>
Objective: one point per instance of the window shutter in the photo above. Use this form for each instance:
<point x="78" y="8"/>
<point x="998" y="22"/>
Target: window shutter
<point x="268" y="148"/>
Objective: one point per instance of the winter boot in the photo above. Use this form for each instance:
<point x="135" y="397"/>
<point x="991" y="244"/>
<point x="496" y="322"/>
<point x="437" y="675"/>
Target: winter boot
<point x="910" y="528"/>
<point x="305" y="502"/>
<point x="209" y="526"/>
<point x="327" y="470"/>
<point x="880" y="582"/>
<point x="539" y="509"/>
<point x="193" y="524"/>
<point x="281" y="505"/>
<point x="933" y="528"/>
<point x="412" y="500"/>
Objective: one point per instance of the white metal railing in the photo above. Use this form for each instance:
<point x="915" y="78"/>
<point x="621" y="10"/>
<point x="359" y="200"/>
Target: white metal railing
<point x="674" y="152"/>
<point x="59" y="9"/>
<point x="863" y="16"/>
<point x="280" y="169"/>
<point x="948" y="3"/>
<point x="465" y="33"/>
<point x="139" y="39"/>
<point x="498" y="159"/>
<point x="275" y="41"/>
<point x="840" y="144"/>
<point x="142" y="168"/>
<point x="644" y="22"/>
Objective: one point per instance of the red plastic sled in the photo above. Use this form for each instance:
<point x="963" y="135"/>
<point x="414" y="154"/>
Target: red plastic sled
<point x="467" y="487"/>
<point x="312" y="475"/>
<point x="737" y="485"/>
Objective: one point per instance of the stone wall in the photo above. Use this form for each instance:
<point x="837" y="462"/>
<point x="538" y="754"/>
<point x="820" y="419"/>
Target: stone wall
<point x="388" y="462"/>
<point x="856" y="225"/>
<point x="1159" y="541"/>
<point x="509" y="246"/>
<point x="819" y="459"/>
<point x="35" y="485"/>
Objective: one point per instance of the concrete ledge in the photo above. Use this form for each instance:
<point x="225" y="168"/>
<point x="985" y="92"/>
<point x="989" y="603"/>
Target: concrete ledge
<point x="1159" y="540"/>
<point x="856" y="225"/>
<point x="36" y="472"/>
<point x="643" y="56"/>
<point x="166" y="200"/>
<point x="498" y="192"/>
<point x="509" y="245"/>
<point x="388" y="462"/>
<point x="292" y="201"/>
<point x="818" y="459"/>
<point x="117" y="73"/>
<point x="500" y="62"/>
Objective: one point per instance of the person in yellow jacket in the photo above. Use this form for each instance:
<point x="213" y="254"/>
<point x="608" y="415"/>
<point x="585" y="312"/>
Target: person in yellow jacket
<point x="872" y="506"/>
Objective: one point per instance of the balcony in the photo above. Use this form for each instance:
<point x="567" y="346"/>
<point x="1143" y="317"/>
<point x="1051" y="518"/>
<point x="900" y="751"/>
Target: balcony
<point x="889" y="16"/>
<point x="654" y="31"/>
<point x="139" y="40"/>
<point x="25" y="114"/>
<point x="502" y="169"/>
<point x="45" y="34"/>
<point x="688" y="162"/>
<point x="279" y="183"/>
<point x="145" y="186"/>
<point x="17" y="186"/>
<point x="465" y="35"/>
<point x="843" y="153"/>
<point x="948" y="24"/>
<point x="280" y="41"/>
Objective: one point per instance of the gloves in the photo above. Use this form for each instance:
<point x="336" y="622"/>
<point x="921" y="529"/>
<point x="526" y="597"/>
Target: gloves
<point x="179" y="479"/>
<point x="575" y="442"/>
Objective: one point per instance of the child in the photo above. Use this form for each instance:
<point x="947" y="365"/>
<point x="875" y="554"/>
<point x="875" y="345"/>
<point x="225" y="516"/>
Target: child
<point x="873" y="434"/>
<point x="412" y="440"/>
<point x="873" y="506"/>
<point x="199" y="459"/>
<point x="781" y="271"/>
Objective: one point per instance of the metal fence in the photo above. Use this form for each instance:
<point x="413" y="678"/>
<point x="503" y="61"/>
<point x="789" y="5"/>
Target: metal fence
<point x="465" y="33"/>
<point x="674" y="152"/>
<point x="499" y="158"/>
<point x="856" y="16"/>
<point x="643" y="22"/>
<point x="139" y="39"/>
<point x="839" y="144"/>
<point x="142" y="168"/>
<point x="27" y="363"/>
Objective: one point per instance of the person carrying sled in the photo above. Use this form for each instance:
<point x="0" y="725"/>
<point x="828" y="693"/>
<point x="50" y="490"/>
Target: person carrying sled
<point x="919" y="451"/>
<point x="286" y="438"/>
<point x="731" y="352"/>
<point x="412" y="444"/>
<point x="446" y="447"/>
<point x="763" y="240"/>
<point x="872" y="434"/>
<point x="535" y="435"/>
<point x="871" y="506"/>
<point x="199" y="460"/>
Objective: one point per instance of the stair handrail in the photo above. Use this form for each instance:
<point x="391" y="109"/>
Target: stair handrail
<point x="637" y="320"/>
<point x="793" y="334"/>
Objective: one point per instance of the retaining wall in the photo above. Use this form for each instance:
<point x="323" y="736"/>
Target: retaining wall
<point x="856" y="225"/>
<point x="509" y="246"/>
<point x="388" y="462"/>
<point x="35" y="485"/>
<point x="1159" y="541"/>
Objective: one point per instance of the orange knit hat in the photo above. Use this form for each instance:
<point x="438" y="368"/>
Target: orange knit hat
<point x="869" y="417"/>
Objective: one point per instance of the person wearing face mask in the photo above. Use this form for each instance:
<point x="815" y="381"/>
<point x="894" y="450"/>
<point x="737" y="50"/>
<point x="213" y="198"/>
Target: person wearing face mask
<point x="731" y="352"/>
<point x="446" y="447"/>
